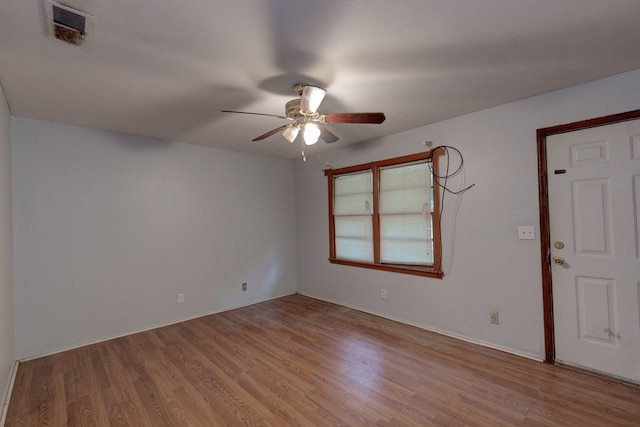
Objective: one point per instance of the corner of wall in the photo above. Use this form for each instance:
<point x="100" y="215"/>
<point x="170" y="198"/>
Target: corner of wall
<point x="7" y="342"/>
<point x="5" y="406"/>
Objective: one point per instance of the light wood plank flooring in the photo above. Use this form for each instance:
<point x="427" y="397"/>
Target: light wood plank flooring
<point x="299" y="361"/>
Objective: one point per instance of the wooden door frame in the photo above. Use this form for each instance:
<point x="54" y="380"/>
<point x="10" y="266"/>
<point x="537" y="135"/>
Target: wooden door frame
<point x="543" y="195"/>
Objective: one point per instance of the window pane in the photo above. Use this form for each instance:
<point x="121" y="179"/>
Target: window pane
<point x="412" y="200"/>
<point x="405" y="189"/>
<point x="352" y="209"/>
<point x="408" y="176"/>
<point x="353" y="194"/>
<point x="352" y="204"/>
<point x="354" y="249"/>
<point x="406" y="252"/>
<point x="406" y="239"/>
<point x="353" y="183"/>
<point x="405" y="227"/>
<point x="354" y="226"/>
<point x="405" y="214"/>
<point x="354" y="238"/>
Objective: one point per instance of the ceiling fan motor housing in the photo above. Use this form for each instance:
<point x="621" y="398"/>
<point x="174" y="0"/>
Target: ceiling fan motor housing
<point x="292" y="109"/>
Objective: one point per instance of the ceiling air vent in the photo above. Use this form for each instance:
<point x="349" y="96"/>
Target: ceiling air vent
<point x="68" y="25"/>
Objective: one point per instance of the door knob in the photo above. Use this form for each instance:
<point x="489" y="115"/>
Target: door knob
<point x="558" y="260"/>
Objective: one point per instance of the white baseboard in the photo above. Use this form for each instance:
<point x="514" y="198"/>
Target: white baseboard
<point x="532" y="356"/>
<point x="155" y="326"/>
<point x="5" y="406"/>
<point x="598" y="373"/>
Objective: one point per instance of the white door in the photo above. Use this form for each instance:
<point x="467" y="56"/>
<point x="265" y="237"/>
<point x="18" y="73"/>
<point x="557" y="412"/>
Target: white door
<point x="594" y="220"/>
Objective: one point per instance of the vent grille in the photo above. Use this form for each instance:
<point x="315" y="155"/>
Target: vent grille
<point x="68" y="25"/>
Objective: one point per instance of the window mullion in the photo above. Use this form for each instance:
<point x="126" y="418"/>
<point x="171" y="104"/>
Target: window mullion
<point x="332" y="221"/>
<point x="435" y="214"/>
<point x="376" y="215"/>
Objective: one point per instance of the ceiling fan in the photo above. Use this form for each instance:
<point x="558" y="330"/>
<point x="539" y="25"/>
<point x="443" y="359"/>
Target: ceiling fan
<point x="304" y="115"/>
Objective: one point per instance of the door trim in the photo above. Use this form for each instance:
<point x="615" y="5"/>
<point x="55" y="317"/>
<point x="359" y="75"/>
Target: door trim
<point x="543" y="197"/>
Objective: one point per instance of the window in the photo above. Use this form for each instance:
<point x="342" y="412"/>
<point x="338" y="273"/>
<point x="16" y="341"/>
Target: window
<point x="385" y="215"/>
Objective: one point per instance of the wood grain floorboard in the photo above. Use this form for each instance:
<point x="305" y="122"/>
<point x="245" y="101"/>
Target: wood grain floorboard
<point x="297" y="361"/>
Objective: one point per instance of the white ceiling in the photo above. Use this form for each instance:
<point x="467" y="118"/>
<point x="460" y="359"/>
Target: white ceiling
<point x="165" y="68"/>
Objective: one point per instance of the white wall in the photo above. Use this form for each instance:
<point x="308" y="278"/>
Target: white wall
<point x="490" y="269"/>
<point x="7" y="354"/>
<point x="110" y="227"/>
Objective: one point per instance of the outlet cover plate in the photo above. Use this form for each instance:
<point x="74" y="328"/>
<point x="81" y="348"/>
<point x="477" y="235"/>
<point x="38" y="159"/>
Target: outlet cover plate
<point x="494" y="318"/>
<point x="526" y="232"/>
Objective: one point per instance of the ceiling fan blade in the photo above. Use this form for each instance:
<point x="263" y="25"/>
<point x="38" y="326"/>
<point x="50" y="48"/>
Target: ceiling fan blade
<point x="256" y="114"/>
<point x="375" y="118"/>
<point x="271" y="132"/>
<point x="327" y="136"/>
<point x="311" y="98"/>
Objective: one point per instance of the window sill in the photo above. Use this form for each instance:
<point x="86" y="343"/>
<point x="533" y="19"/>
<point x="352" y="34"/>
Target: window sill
<point x="413" y="270"/>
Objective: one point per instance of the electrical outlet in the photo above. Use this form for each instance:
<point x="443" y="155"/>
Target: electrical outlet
<point x="493" y="318"/>
<point x="383" y="293"/>
<point x="180" y="298"/>
<point x="244" y="286"/>
<point x="526" y="232"/>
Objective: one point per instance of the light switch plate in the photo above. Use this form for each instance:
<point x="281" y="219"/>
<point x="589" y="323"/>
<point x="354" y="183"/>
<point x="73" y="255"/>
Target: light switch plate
<point x="526" y="232"/>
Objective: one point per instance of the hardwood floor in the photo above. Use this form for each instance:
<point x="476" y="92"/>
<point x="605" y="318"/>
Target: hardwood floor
<point x="300" y="361"/>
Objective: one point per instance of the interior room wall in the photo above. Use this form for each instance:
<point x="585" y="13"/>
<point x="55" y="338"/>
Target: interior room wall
<point x="109" y="228"/>
<point x="7" y="353"/>
<point x="487" y="267"/>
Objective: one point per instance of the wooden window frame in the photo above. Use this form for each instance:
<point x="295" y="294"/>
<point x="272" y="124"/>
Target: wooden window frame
<point x="434" y="270"/>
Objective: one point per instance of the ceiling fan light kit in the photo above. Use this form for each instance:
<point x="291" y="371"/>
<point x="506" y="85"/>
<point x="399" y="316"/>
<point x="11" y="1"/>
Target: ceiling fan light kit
<point x="291" y="132"/>
<point x="311" y="133"/>
<point x="303" y="113"/>
<point x="311" y="98"/>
